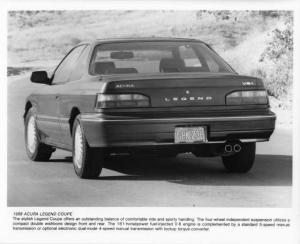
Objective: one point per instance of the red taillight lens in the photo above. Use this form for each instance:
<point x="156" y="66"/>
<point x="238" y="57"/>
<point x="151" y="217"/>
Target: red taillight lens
<point x="247" y="97"/>
<point x="121" y="101"/>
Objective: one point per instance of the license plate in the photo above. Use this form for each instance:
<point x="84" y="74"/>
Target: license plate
<point x="190" y="134"/>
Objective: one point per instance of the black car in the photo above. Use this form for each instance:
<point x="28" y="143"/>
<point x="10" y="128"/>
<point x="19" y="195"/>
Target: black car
<point x="158" y="96"/>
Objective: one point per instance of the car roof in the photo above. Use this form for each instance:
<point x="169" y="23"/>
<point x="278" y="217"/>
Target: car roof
<point x="134" y="39"/>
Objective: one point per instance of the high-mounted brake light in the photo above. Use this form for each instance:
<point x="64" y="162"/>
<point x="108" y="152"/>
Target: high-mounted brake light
<point x="121" y="101"/>
<point x="247" y="97"/>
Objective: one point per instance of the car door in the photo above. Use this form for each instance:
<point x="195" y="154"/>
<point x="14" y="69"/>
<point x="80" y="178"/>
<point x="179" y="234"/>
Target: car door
<point x="48" y="118"/>
<point x="73" y="97"/>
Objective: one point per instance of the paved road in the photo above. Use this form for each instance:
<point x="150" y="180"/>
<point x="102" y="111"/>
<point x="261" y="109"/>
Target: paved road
<point x="183" y="181"/>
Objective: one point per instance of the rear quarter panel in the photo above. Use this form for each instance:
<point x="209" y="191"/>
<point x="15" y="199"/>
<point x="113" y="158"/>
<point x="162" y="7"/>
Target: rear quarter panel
<point x="77" y="95"/>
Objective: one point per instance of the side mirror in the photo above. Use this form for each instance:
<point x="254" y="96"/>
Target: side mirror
<point x="40" y="77"/>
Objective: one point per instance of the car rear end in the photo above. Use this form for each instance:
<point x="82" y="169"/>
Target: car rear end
<point x="183" y="101"/>
<point x="180" y="111"/>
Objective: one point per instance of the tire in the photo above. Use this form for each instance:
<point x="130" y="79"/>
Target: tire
<point x="87" y="161"/>
<point x="242" y="161"/>
<point x="35" y="149"/>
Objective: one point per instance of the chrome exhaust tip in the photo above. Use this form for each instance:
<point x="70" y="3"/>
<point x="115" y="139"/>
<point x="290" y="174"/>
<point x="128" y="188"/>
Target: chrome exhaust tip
<point x="228" y="148"/>
<point x="237" y="148"/>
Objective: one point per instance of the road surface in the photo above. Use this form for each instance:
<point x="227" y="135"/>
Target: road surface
<point x="183" y="181"/>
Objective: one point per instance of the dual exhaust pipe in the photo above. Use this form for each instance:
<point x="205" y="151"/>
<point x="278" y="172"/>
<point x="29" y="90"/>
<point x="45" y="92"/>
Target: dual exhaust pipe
<point x="229" y="148"/>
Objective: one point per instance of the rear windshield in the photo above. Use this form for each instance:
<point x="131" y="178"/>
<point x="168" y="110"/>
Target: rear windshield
<point x="155" y="57"/>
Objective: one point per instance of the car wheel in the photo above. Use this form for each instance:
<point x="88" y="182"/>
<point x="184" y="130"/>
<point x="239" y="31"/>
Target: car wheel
<point x="242" y="161"/>
<point x="87" y="161"/>
<point x="35" y="149"/>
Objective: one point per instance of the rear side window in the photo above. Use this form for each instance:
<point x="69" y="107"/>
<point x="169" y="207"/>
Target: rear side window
<point x="63" y="71"/>
<point x="81" y="65"/>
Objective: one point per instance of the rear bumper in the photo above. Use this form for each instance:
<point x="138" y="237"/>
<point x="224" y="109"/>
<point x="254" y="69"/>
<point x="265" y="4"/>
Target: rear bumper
<point x="108" y="131"/>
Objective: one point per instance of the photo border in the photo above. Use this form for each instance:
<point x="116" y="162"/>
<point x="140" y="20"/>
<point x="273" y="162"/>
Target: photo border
<point x="215" y="236"/>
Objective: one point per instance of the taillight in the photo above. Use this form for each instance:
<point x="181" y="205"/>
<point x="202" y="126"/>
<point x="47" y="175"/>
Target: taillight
<point x="247" y="97"/>
<point x="121" y="101"/>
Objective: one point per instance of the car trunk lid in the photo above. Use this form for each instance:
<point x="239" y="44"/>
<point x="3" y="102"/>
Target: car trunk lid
<point x="181" y="90"/>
